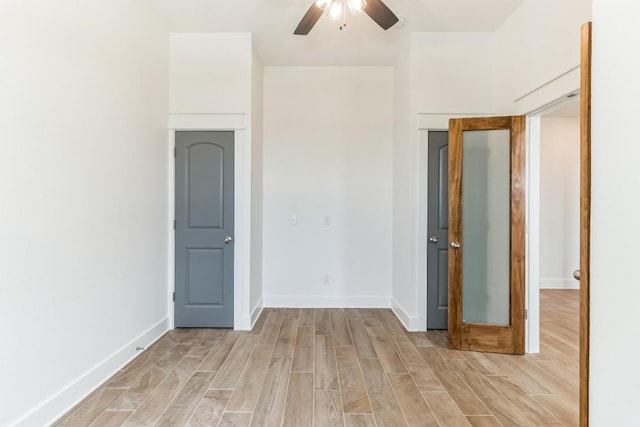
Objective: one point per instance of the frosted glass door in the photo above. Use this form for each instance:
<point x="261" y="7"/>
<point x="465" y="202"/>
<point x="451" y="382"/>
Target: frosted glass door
<point x="485" y="226"/>
<point x="486" y="234"/>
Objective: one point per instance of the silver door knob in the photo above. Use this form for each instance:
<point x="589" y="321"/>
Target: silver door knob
<point x="228" y="239"/>
<point x="455" y="245"/>
<point x="433" y="240"/>
<point x="576" y="274"/>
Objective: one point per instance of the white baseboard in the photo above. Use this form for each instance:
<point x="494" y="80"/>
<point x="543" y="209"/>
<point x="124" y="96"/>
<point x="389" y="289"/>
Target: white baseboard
<point x="559" y="284"/>
<point x="326" y="301"/>
<point x="256" y="312"/>
<point x="410" y="322"/>
<point x="61" y="402"/>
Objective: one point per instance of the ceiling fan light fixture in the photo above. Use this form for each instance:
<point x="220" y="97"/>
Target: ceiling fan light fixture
<point x="356" y="5"/>
<point x="336" y="9"/>
<point x="322" y="4"/>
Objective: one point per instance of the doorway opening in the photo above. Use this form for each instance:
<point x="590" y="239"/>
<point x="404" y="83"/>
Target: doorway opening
<point x="559" y="249"/>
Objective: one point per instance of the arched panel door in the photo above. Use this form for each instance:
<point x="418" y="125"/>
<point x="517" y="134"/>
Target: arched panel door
<point x="204" y="229"/>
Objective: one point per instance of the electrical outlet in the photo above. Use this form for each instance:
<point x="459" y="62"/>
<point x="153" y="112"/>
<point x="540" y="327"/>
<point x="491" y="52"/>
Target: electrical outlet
<point x="326" y="280"/>
<point x="327" y="220"/>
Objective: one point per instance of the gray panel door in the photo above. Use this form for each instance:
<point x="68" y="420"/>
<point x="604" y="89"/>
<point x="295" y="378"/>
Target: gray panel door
<point x="204" y="229"/>
<point x="438" y="229"/>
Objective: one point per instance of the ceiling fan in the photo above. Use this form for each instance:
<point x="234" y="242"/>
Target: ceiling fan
<point x="376" y="9"/>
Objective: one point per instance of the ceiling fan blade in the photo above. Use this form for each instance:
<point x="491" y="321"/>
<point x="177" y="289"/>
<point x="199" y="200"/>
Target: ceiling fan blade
<point x="309" y="20"/>
<point x="379" y="12"/>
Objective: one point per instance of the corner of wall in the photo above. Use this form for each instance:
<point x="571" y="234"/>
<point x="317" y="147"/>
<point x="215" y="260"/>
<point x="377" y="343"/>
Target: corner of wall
<point x="66" y="398"/>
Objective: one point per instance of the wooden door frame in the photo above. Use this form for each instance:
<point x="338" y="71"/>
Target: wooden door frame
<point x="585" y="216"/>
<point x="483" y="337"/>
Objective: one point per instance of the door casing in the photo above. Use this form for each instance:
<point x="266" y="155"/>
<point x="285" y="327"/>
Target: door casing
<point x="244" y="316"/>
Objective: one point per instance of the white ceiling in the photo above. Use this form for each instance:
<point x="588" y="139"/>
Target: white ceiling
<point x="362" y="42"/>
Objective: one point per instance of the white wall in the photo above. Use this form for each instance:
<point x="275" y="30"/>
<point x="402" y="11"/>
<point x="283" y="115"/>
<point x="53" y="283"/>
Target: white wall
<point x="328" y="136"/>
<point x="615" y="377"/>
<point x="440" y="75"/>
<point x="215" y="84"/>
<point x="257" y="88"/>
<point x="559" y="202"/>
<point x="404" y="195"/>
<point x="83" y="186"/>
<point x="534" y="48"/>
<point x="211" y="73"/>
<point x="452" y="73"/>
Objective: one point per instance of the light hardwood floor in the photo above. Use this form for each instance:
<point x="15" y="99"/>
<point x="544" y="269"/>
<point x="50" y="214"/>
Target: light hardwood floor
<point x="341" y="367"/>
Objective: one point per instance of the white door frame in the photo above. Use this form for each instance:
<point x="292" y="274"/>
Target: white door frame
<point x="242" y="206"/>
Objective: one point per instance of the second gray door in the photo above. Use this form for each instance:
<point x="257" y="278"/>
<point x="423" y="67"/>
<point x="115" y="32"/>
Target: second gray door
<point x="204" y="229"/>
<point x="438" y="229"/>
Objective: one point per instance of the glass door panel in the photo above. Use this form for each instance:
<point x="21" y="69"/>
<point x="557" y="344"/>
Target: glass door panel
<point x="485" y="226"/>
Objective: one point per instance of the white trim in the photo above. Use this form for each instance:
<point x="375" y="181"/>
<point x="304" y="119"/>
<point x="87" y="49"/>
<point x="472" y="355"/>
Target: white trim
<point x="321" y="301"/>
<point x="49" y="411"/>
<point x="242" y="205"/>
<point x="410" y="323"/>
<point x="206" y="121"/>
<point x="559" y="284"/>
<point x="256" y="312"/>
<point x="532" y="236"/>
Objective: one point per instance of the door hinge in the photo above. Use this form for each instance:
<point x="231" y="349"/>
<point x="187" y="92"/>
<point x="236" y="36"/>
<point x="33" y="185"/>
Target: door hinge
<point x="174" y="151"/>
<point x="526" y="314"/>
<point x="174" y="224"/>
<point x="174" y="297"/>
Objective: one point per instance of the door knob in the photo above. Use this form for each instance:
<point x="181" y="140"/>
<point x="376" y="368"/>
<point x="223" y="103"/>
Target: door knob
<point x="433" y="240"/>
<point x="228" y="239"/>
<point x="576" y="274"/>
<point x="455" y="245"/>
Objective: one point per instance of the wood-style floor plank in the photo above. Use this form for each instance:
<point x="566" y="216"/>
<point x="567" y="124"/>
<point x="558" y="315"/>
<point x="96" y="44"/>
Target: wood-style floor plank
<point x="92" y="407"/>
<point x="339" y="328"/>
<point x="307" y="318"/>
<point x="386" y="351"/>
<point x="298" y="411"/>
<point x="147" y="383"/>
<point x="270" y="405"/>
<point x="505" y="413"/>
<point x="155" y="405"/>
<point x="386" y="409"/>
<point x="322" y="321"/>
<point x="286" y="338"/>
<point x="180" y="410"/>
<point x="231" y="369"/>
<point x="210" y="408"/>
<point x="303" y="354"/>
<point x="361" y="339"/>
<point x="359" y="420"/>
<point x="235" y="419"/>
<point x="422" y="374"/>
<point x="444" y="409"/>
<point x="483" y="421"/>
<point x="271" y="328"/>
<point x="327" y="409"/>
<point x="460" y="392"/>
<point x="246" y="391"/>
<point x="325" y="368"/>
<point x="525" y="404"/>
<point x="413" y="406"/>
<point x="218" y="355"/>
<point x="111" y="419"/>
<point x="352" y="387"/>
